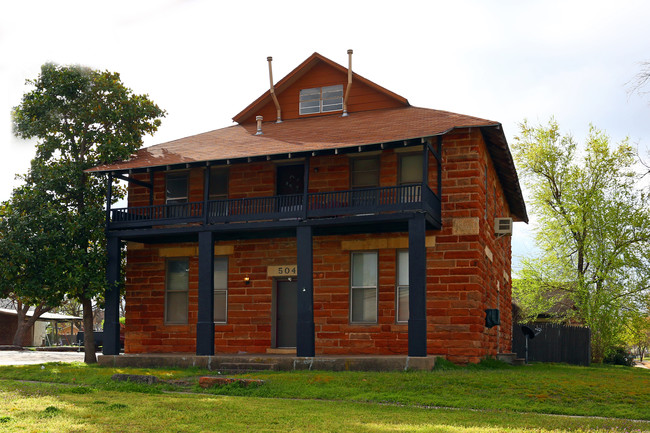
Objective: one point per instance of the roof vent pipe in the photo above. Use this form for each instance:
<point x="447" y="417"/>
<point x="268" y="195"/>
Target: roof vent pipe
<point x="275" y="98"/>
<point x="259" y="125"/>
<point x="347" y="90"/>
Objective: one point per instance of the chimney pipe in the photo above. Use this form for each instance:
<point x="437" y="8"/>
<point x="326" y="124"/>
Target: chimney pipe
<point x="347" y="90"/>
<point x="272" y="90"/>
<point x="259" y="125"/>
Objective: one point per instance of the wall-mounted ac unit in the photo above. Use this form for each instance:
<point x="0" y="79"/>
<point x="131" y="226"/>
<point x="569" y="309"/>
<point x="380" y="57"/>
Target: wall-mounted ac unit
<point x="503" y="226"/>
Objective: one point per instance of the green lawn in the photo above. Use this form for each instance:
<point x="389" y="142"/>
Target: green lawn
<point x="80" y="398"/>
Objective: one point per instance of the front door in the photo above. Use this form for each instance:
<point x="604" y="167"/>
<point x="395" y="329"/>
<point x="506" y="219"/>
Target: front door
<point x="291" y="185"/>
<point x="291" y="179"/>
<point x="286" y="313"/>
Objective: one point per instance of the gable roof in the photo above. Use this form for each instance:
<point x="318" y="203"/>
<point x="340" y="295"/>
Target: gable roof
<point x="248" y="113"/>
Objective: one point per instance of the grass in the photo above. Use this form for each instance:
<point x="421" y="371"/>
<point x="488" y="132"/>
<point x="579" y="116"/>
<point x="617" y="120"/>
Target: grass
<point x="488" y="397"/>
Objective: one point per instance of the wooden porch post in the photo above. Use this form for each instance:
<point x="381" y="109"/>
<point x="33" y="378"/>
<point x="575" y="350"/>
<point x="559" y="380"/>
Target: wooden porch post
<point x="305" y="340"/>
<point x="111" y="344"/>
<point x="417" y="324"/>
<point x="205" y="316"/>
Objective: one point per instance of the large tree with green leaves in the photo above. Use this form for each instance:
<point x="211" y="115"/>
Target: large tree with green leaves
<point x="81" y="118"/>
<point x="593" y="231"/>
<point x="31" y="229"/>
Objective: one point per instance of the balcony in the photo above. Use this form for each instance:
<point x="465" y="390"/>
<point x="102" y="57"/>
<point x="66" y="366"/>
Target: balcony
<point x="367" y="201"/>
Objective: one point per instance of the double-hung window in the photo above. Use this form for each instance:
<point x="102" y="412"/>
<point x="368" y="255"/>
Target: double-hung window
<point x="176" y="194"/>
<point x="176" y="290"/>
<point x="402" y="291"/>
<point x="220" y="289"/>
<point x="363" y="288"/>
<point x="176" y="188"/>
<point x="321" y="99"/>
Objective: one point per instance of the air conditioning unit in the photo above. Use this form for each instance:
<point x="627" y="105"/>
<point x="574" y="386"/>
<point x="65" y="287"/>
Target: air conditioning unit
<point x="503" y="226"/>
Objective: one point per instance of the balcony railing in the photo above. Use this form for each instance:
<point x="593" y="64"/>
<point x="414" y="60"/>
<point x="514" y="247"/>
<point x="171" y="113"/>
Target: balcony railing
<point x="282" y="207"/>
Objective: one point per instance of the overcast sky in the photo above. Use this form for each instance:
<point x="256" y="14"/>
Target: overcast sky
<point x="204" y="61"/>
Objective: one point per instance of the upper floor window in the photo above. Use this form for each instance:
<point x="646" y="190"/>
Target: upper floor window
<point x="176" y="188"/>
<point x="218" y="183"/>
<point x="364" y="172"/>
<point x="410" y="168"/>
<point x="321" y="99"/>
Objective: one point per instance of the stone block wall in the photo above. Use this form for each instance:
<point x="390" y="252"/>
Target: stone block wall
<point x="468" y="267"/>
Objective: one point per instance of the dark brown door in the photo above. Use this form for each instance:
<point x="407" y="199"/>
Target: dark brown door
<point x="286" y="314"/>
<point x="291" y="179"/>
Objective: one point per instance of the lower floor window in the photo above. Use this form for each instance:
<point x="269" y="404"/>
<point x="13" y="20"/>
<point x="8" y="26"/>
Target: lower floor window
<point x="176" y="290"/>
<point x="363" y="290"/>
<point x="221" y="289"/>
<point x="402" y="294"/>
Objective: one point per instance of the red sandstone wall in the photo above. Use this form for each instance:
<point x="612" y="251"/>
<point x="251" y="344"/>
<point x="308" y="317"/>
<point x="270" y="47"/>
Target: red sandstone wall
<point x="463" y="279"/>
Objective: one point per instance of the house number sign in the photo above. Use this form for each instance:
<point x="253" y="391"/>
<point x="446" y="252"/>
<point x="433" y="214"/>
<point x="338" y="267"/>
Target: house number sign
<point x="282" y="271"/>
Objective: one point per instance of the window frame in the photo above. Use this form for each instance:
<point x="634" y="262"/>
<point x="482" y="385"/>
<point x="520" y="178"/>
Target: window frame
<point x="224" y="290"/>
<point x="399" y="286"/>
<point x="400" y="181"/>
<point x="301" y="109"/>
<point x="352" y="288"/>
<point x="185" y="290"/>
<point x="352" y="171"/>
<point x="226" y="172"/>
<point x="175" y="200"/>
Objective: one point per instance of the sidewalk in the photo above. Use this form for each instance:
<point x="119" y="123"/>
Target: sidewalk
<point x="24" y="357"/>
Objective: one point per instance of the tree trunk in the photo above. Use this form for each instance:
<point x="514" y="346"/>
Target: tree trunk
<point x="21" y="324"/>
<point x="89" y="335"/>
<point x="24" y="323"/>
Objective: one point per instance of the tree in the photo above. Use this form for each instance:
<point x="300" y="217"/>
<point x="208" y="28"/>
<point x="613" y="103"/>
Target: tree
<point x="81" y="118"/>
<point x="24" y="247"/>
<point x="638" y="334"/>
<point x="641" y="79"/>
<point x="593" y="231"/>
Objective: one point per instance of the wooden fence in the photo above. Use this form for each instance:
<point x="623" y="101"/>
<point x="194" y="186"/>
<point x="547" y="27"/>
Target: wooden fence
<point x="554" y="343"/>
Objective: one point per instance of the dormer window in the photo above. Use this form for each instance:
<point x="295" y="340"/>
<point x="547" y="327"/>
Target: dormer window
<point x="321" y="99"/>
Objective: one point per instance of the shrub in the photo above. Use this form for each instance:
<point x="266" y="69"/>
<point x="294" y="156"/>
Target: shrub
<point x="619" y="356"/>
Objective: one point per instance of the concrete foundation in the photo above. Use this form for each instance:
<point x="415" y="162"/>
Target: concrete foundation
<point x="270" y="362"/>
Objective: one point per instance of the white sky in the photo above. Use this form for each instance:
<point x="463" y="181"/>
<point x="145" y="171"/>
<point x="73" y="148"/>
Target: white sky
<point x="204" y="61"/>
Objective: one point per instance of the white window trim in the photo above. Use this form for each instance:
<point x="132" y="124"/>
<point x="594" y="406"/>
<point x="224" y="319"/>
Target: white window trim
<point x="376" y="287"/>
<point x="398" y="287"/>
<point x="215" y="290"/>
<point x="320" y="100"/>
<point x="185" y="290"/>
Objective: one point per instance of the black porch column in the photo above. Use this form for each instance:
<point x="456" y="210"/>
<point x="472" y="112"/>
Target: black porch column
<point x="205" y="319"/>
<point x="111" y="344"/>
<point x="417" y="286"/>
<point x="305" y="344"/>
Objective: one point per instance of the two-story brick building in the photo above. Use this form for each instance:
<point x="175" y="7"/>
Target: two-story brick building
<point x="333" y="219"/>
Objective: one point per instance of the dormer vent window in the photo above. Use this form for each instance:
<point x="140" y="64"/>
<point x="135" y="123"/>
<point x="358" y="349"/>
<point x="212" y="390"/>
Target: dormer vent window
<point x="321" y="99"/>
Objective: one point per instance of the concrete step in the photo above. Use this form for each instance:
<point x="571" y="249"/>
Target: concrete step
<point x="511" y="358"/>
<point x="245" y="367"/>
